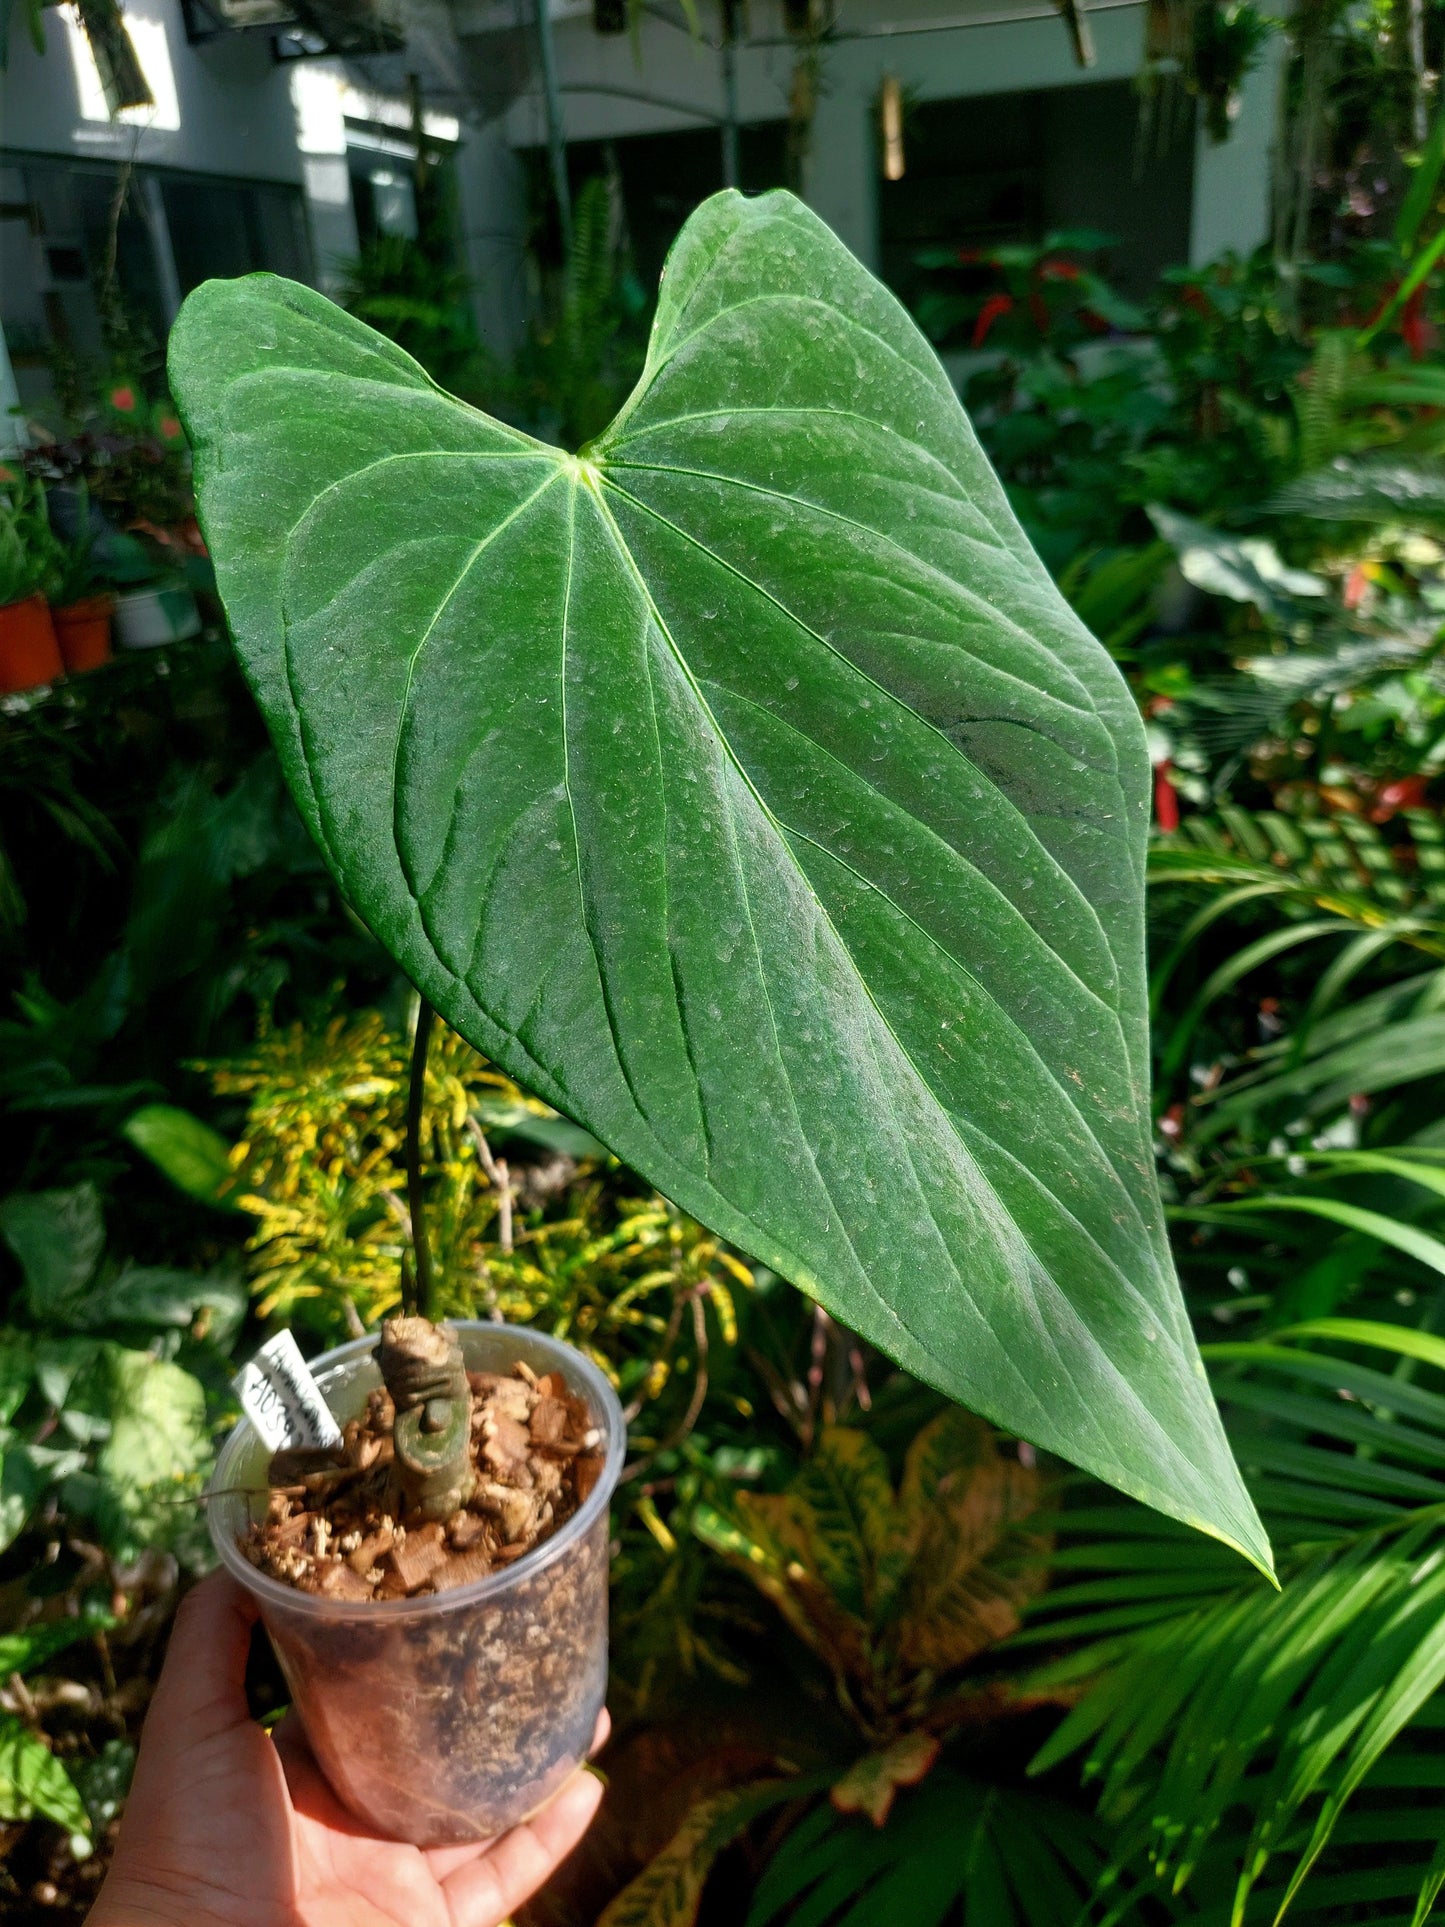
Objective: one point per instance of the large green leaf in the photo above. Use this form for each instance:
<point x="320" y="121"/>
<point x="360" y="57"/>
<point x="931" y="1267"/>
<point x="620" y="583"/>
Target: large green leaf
<point x="158" y="1433"/>
<point x="194" y="1157"/>
<point x="749" y="793"/>
<point x="58" y="1237"/>
<point x="33" y="1781"/>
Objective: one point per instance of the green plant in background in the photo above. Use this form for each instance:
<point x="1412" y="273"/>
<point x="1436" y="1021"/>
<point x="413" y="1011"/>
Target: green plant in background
<point x="30" y="556"/>
<point x="102" y="1406"/>
<point x="777" y="905"/>
<point x="900" y="1595"/>
<point x="549" y="1240"/>
<point x="398" y="287"/>
<point x="961" y="1849"/>
<point x="1022" y="298"/>
<point x="1227" y="43"/>
<point x="585" y="350"/>
<point x="114" y="437"/>
<point x="1237" y="1735"/>
<point x="32" y="1779"/>
<point x="896" y="1591"/>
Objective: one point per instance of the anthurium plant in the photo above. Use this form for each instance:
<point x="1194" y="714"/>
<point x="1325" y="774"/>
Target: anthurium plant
<point x="743" y="787"/>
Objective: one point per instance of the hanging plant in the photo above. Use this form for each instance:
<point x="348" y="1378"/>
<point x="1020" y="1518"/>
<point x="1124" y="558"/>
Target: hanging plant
<point x="1226" y="45"/>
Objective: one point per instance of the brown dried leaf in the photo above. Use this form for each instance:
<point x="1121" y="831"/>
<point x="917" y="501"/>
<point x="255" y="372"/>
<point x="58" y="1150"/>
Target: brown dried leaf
<point x="338" y="1581"/>
<point x="506" y="1444"/>
<point x="416" y="1558"/>
<point x="586" y="1471"/>
<point x="870" y="1784"/>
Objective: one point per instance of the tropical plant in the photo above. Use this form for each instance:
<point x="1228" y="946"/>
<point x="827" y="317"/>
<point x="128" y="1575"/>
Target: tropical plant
<point x="1020" y="296"/>
<point x="100" y="1402"/>
<point x="899" y="1593"/>
<point x="1331" y="878"/>
<point x="750" y="861"/>
<point x="896" y="1591"/>
<point x="1224" y="1721"/>
<point x="1227" y="44"/>
<point x="400" y="288"/>
<point x="550" y="1238"/>
<point x="32" y="1779"/>
<point x="962" y="1849"/>
<point x="584" y="348"/>
<point x="1277" y="890"/>
<point x="30" y="556"/>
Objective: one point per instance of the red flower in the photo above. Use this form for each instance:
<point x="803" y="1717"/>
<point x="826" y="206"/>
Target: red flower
<point x="1357" y="585"/>
<point x="996" y="305"/>
<point x="1166" y="801"/>
<point x="123" y="399"/>
<point x="1415" y="331"/>
<point x="1405" y="793"/>
<point x="1059" y="271"/>
<point x="169" y="427"/>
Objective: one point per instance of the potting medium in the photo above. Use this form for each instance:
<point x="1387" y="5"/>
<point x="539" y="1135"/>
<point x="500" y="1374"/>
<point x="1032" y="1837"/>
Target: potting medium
<point x="451" y="1717"/>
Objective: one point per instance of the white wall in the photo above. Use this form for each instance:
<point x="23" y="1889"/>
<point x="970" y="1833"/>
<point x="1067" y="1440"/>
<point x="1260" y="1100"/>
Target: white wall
<point x="233" y="101"/>
<point x="947" y="62"/>
<point x="995" y="59"/>
<point x="236" y="117"/>
<point x="492" y="204"/>
<point x="1232" y="180"/>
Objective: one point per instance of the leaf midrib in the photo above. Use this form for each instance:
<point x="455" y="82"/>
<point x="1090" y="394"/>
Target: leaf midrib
<point x="976" y="602"/>
<point x="1064" y="1366"/>
<point x="950" y="748"/>
<point x="862" y="1270"/>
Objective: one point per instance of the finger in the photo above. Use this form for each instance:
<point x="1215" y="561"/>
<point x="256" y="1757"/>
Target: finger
<point x="485" y="1892"/>
<point x="601" y="1733"/>
<point x="298" y="1762"/>
<point x="202" y="1687"/>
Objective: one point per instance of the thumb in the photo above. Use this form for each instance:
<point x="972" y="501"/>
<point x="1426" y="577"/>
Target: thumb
<point x="202" y="1687"/>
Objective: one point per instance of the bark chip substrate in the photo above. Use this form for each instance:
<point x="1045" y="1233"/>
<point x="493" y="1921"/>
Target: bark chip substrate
<point x="351" y="1522"/>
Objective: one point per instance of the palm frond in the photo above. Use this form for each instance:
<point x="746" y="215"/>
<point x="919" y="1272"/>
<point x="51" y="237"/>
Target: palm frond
<point x="1379" y="490"/>
<point x="1237" y="1700"/>
<point x="974" y="1853"/>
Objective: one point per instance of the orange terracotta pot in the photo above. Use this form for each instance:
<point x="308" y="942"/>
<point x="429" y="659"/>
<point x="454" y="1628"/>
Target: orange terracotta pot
<point x="29" y="653"/>
<point x="83" y="632"/>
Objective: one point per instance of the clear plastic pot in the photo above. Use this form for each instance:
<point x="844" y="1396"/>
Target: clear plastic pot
<point x="454" y="1716"/>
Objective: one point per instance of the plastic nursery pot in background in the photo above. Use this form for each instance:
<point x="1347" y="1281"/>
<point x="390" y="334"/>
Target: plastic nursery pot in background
<point x="82" y="630"/>
<point x="454" y="1716"/>
<point x="29" y="654"/>
<point x="150" y="618"/>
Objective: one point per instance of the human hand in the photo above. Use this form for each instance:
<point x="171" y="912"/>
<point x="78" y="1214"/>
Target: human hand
<point x="226" y="1827"/>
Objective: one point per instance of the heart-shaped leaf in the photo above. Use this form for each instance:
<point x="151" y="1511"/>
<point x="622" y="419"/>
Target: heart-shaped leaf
<point x="746" y="790"/>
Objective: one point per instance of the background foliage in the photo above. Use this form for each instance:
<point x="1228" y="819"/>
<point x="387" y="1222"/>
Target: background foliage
<point x="1083" y="1712"/>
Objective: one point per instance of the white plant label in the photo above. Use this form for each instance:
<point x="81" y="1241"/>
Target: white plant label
<point x="282" y="1399"/>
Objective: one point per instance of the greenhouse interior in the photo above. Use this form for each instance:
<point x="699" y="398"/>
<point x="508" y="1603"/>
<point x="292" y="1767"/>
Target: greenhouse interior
<point x="722" y="908"/>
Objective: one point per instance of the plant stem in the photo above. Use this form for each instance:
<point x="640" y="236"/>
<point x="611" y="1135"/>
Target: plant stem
<point x="556" y="138"/>
<point x="425" y="1292"/>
